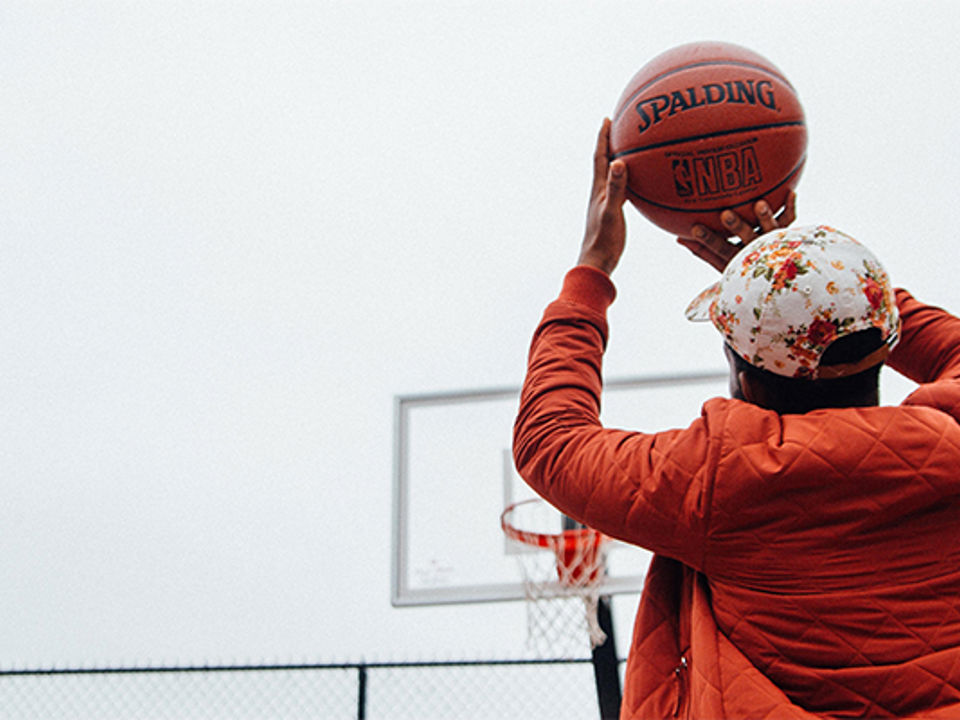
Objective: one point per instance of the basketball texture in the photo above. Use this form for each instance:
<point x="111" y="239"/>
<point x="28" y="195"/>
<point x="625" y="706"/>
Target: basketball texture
<point x="704" y="127"/>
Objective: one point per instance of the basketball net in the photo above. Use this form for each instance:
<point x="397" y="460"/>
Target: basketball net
<point x="562" y="573"/>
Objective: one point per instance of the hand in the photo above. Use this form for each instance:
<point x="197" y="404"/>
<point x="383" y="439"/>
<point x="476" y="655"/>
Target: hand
<point x="606" y="232"/>
<point x="717" y="250"/>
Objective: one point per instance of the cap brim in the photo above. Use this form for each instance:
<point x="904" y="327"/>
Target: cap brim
<point x="699" y="308"/>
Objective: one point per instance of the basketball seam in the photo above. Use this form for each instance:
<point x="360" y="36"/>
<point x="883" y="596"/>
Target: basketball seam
<point x="636" y="196"/>
<point x="706" y="63"/>
<point x="707" y="136"/>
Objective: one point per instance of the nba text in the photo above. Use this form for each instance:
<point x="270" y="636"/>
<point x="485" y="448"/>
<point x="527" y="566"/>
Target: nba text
<point x="715" y="174"/>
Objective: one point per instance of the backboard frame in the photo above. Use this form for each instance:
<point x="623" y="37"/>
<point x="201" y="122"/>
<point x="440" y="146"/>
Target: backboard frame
<point x="402" y="591"/>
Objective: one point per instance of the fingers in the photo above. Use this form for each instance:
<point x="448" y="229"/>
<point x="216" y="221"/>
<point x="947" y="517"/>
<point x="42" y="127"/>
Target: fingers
<point x="616" y="185"/>
<point x="702" y="252"/>
<point x="789" y="213"/>
<point x="718" y="250"/>
<point x="601" y="157"/>
<point x="767" y="222"/>
<point x="765" y="216"/>
<point x="786" y="217"/>
<point x="610" y="231"/>
<point x="735" y="224"/>
<point x="709" y="246"/>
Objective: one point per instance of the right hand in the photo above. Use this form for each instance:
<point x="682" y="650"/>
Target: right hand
<point x="606" y="233"/>
<point x="717" y="251"/>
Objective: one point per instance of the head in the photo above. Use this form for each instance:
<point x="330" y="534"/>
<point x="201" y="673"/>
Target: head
<point x="798" y="395"/>
<point x="808" y="316"/>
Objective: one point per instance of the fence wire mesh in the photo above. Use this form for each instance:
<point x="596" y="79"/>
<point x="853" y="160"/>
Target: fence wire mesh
<point x="189" y="693"/>
<point x="476" y="689"/>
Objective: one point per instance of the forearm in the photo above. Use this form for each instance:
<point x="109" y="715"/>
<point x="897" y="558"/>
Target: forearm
<point x="929" y="347"/>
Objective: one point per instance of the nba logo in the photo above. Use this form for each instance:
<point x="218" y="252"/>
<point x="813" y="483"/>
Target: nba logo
<point x="683" y="177"/>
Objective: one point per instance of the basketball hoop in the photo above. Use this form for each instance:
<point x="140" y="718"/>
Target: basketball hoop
<point x="574" y="569"/>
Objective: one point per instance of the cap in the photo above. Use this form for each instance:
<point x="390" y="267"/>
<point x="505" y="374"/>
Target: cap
<point x="789" y="294"/>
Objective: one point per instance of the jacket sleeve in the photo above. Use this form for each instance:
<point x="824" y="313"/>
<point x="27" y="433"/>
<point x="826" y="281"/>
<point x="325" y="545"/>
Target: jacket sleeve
<point x="929" y="347"/>
<point x="929" y="353"/>
<point x="646" y="489"/>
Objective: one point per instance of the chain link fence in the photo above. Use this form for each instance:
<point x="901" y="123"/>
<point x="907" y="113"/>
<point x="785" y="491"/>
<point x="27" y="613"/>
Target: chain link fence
<point x="466" y="690"/>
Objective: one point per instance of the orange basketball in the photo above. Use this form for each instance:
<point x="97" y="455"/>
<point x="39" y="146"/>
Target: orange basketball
<point x="705" y="127"/>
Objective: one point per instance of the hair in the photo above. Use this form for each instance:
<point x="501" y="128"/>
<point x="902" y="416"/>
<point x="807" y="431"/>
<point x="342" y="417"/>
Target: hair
<point x="797" y="395"/>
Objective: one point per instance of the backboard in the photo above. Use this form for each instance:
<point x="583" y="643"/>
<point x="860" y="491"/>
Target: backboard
<point x="454" y="475"/>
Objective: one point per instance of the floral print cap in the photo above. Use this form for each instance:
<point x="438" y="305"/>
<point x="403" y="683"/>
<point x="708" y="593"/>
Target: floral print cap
<point x="785" y="297"/>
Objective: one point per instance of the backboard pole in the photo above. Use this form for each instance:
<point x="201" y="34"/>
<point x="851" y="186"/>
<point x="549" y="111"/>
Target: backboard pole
<point x="606" y="666"/>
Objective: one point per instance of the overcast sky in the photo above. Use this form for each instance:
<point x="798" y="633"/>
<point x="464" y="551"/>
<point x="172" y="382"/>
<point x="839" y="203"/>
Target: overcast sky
<point x="232" y="232"/>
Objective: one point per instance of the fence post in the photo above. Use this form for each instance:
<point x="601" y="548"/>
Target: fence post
<point x="361" y="692"/>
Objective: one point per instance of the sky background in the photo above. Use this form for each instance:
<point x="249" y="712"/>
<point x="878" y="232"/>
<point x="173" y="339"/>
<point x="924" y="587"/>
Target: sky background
<point x="231" y="233"/>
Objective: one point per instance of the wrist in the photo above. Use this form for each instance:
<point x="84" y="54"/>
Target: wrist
<point x="599" y="260"/>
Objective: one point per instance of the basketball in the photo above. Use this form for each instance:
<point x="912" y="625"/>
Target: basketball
<point x="706" y="127"/>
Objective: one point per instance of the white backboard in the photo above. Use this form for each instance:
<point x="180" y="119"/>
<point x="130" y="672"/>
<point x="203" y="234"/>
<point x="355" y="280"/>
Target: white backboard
<point x="453" y="477"/>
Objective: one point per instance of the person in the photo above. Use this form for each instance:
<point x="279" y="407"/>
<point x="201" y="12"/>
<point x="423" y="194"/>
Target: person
<point x="806" y="539"/>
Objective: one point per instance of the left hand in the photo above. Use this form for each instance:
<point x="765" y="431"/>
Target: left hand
<point x="606" y="233"/>
<point x="717" y="250"/>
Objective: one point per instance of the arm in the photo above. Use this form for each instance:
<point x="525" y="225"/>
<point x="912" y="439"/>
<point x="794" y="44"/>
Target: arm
<point x="646" y="489"/>
<point x="641" y="488"/>
<point x="929" y="347"/>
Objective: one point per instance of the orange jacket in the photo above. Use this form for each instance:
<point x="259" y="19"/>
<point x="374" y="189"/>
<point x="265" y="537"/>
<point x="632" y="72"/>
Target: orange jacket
<point x="805" y="565"/>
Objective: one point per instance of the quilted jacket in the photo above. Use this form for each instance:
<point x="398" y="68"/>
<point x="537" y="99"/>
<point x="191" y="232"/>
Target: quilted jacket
<point x="804" y="565"/>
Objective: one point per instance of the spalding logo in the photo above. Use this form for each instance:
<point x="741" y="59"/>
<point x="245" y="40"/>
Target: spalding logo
<point x="745" y="92"/>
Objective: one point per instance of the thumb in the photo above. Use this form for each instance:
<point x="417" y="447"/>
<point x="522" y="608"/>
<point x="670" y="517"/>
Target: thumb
<point x="617" y="184"/>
